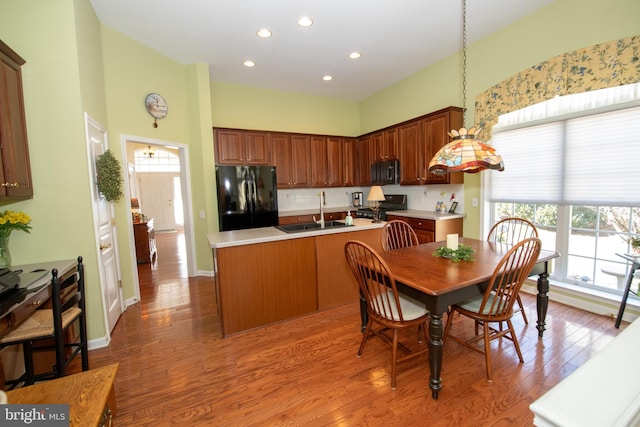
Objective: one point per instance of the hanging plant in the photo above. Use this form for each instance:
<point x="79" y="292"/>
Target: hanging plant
<point x="109" y="177"/>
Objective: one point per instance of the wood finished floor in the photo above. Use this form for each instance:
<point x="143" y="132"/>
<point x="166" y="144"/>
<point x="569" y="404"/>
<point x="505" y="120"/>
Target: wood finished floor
<point x="175" y="368"/>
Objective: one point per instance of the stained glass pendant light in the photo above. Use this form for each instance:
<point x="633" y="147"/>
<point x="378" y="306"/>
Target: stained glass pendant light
<point x="465" y="153"/>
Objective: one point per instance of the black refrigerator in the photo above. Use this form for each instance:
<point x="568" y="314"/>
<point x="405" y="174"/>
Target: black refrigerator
<point x="247" y="197"/>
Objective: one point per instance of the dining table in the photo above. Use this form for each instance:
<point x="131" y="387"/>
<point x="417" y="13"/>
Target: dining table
<point x="439" y="282"/>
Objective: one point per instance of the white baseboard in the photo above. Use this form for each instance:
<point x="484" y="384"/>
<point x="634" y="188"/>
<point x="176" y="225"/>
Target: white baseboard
<point x="590" y="300"/>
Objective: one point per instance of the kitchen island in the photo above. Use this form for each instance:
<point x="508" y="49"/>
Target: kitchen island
<point x="265" y="275"/>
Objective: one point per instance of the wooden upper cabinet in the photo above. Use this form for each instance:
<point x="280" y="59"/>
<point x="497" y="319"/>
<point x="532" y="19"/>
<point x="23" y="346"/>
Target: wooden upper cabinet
<point x="15" y="172"/>
<point x="390" y="144"/>
<point x="364" y="159"/>
<point x="326" y="161"/>
<point x="377" y="146"/>
<point x="419" y="140"/>
<point x="229" y="146"/>
<point x="435" y="131"/>
<point x="410" y="143"/>
<point x="281" y="158"/>
<point x="318" y="161"/>
<point x="239" y="147"/>
<point x="300" y="161"/>
<point x="385" y="144"/>
<point x="290" y="154"/>
<point x="335" y="161"/>
<point x="257" y="148"/>
<point x="435" y="137"/>
<point x="305" y="161"/>
<point x="349" y="154"/>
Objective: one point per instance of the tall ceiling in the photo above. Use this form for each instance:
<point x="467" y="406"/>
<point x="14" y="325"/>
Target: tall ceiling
<point x="397" y="38"/>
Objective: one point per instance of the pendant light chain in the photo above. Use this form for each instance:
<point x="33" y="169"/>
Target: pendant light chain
<point x="465" y="153"/>
<point x="464" y="62"/>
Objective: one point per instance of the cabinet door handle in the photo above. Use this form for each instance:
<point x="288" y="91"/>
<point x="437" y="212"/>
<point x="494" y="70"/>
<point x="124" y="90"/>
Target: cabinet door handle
<point x="8" y="184"/>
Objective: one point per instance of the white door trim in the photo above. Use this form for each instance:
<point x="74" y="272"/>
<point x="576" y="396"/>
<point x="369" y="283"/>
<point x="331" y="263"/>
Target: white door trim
<point x="185" y="181"/>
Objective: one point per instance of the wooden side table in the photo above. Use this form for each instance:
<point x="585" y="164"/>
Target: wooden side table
<point x="90" y="395"/>
<point x="144" y="236"/>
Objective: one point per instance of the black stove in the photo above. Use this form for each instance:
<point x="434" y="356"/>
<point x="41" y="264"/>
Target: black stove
<point x="392" y="202"/>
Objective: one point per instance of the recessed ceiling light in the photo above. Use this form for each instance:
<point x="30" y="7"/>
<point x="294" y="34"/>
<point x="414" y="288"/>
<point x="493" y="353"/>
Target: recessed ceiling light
<point x="249" y="64"/>
<point x="355" y="55"/>
<point x="327" y="78"/>
<point x="305" y="21"/>
<point x="264" y="33"/>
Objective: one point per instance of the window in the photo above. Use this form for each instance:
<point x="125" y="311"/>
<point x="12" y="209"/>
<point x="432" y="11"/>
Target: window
<point x="572" y="168"/>
<point x="160" y="161"/>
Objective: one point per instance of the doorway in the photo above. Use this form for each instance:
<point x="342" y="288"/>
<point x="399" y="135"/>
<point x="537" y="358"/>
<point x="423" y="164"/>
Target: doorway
<point x="162" y="191"/>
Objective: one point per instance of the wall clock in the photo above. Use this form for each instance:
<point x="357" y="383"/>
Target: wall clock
<point x="157" y="107"/>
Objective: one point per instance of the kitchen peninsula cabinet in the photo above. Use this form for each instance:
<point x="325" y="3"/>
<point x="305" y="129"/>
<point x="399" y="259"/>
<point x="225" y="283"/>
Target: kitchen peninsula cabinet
<point x="238" y="147"/>
<point x="264" y="283"/>
<point x="336" y="284"/>
<point x="266" y="276"/>
<point x="15" y="168"/>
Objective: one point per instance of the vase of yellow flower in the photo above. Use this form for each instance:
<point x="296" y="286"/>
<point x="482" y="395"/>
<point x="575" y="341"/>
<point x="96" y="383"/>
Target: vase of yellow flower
<point x="9" y="221"/>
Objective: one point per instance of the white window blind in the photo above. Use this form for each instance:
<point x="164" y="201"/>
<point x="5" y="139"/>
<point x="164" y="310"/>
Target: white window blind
<point x="603" y="159"/>
<point x="529" y="177"/>
<point x="587" y="160"/>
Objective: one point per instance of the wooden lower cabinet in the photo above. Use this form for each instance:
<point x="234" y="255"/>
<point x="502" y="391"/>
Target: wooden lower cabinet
<point x="336" y="284"/>
<point x="264" y="283"/>
<point x="429" y="230"/>
<point x="145" y="238"/>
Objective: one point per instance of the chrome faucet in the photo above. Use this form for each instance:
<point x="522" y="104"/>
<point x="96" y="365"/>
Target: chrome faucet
<point x="321" y="222"/>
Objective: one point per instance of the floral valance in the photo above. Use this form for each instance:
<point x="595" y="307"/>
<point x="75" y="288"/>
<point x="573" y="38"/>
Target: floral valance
<point x="604" y="65"/>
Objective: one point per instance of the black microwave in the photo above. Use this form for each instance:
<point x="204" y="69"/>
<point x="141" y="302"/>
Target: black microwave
<point x="385" y="172"/>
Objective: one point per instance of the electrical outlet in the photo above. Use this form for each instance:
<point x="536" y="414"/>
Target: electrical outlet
<point x="202" y="214"/>
<point x="474" y="202"/>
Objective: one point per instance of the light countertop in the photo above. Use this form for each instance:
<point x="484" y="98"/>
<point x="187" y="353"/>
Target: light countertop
<point x="225" y="239"/>
<point x="414" y="213"/>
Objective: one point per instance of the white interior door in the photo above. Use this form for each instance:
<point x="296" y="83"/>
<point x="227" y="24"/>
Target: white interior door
<point x="156" y="194"/>
<point x="105" y="230"/>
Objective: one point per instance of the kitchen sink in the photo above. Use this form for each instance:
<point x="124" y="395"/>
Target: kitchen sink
<point x="309" y="226"/>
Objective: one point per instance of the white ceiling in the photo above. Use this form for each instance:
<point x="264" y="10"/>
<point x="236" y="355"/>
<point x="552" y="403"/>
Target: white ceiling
<point x="397" y="37"/>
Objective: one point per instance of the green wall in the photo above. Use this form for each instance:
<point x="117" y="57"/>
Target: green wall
<point x="236" y="106"/>
<point x="133" y="70"/>
<point x="59" y="39"/>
